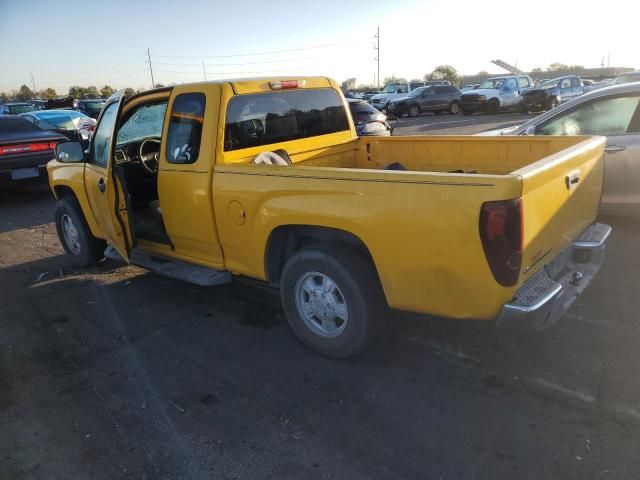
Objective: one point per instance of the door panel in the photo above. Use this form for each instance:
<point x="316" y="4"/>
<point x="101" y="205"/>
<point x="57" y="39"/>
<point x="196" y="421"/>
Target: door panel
<point x="632" y="176"/>
<point x="105" y="193"/>
<point x="615" y="171"/>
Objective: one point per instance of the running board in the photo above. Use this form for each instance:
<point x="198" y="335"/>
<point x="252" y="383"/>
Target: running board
<point x="188" y="272"/>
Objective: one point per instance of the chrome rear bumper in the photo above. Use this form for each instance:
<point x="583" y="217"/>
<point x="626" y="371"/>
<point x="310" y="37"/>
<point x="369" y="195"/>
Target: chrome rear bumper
<point x="547" y="295"/>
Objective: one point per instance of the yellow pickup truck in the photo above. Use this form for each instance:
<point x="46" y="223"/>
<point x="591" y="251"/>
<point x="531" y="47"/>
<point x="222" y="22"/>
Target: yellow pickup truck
<point x="266" y="178"/>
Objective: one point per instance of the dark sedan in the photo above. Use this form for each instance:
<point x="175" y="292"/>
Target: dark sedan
<point x="436" y="99"/>
<point x="91" y="108"/>
<point x="367" y="119"/>
<point x="25" y="150"/>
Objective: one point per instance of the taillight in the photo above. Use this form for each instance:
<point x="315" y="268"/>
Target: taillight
<point x="91" y="127"/>
<point x="502" y="237"/>
<point x="27" y="147"/>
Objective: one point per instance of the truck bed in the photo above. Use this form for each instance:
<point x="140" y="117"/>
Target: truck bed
<point x="421" y="226"/>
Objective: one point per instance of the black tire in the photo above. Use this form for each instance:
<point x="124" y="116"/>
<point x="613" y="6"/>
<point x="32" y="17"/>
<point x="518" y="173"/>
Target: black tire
<point x="553" y="104"/>
<point x="88" y="250"/>
<point x="357" y="284"/>
<point x="413" y="111"/>
<point x="493" y="106"/>
<point x="466" y="112"/>
<point x="454" y="108"/>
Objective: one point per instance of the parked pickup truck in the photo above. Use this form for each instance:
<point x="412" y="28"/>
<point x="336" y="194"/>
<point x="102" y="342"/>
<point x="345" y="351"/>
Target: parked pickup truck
<point x="496" y="94"/>
<point x="267" y="179"/>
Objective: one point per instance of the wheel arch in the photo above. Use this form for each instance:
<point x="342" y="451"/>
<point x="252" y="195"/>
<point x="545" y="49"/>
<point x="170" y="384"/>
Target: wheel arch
<point x="65" y="190"/>
<point x="285" y="240"/>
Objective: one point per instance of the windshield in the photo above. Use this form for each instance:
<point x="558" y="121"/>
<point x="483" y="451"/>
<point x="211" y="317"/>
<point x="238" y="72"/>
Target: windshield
<point x="629" y="78"/>
<point x="390" y="88"/>
<point x="417" y="92"/>
<point x="93" y="106"/>
<point x="18" y="109"/>
<point x="493" y="83"/>
<point x="145" y="122"/>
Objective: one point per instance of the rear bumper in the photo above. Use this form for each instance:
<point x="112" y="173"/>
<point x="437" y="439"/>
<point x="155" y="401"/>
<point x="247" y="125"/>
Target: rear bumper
<point x="546" y="296"/>
<point x="22" y="161"/>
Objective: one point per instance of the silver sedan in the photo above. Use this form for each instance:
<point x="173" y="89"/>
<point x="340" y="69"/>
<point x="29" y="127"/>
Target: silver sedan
<point x="613" y="112"/>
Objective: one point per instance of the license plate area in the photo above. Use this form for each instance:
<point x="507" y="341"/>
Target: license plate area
<point x="24" y="173"/>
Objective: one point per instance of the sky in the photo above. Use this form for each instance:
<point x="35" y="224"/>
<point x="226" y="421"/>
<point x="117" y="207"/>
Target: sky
<point x="64" y="43"/>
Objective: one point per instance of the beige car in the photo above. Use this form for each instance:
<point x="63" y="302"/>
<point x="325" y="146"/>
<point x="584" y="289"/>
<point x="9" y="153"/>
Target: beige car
<point x="613" y="112"/>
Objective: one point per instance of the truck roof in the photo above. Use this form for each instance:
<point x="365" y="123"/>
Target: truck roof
<point x="257" y="84"/>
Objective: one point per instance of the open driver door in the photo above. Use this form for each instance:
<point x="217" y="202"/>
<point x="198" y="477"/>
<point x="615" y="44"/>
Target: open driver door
<point x="104" y="182"/>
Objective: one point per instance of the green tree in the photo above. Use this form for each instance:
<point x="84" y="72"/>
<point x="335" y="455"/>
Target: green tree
<point x="445" y="72"/>
<point x="159" y="85"/>
<point x="24" y="94"/>
<point x="4" y="97"/>
<point x="557" y="67"/>
<point x="536" y="70"/>
<point x="129" y="91"/>
<point x="77" y="91"/>
<point x="47" y="93"/>
<point x="91" y="92"/>
<point x="394" y="79"/>
<point x="106" y="91"/>
<point x="483" y="73"/>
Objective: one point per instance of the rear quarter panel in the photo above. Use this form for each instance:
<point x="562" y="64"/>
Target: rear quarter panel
<point x="421" y="229"/>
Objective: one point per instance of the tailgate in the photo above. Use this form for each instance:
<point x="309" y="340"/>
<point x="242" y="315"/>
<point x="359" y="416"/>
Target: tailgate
<point x="560" y="198"/>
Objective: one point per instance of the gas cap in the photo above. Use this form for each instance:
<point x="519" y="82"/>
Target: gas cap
<point x="236" y="213"/>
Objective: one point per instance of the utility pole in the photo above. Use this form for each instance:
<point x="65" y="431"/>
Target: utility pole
<point x="153" y="85"/>
<point x="377" y="48"/>
<point x="204" y="71"/>
<point x="609" y="59"/>
<point x="33" y="82"/>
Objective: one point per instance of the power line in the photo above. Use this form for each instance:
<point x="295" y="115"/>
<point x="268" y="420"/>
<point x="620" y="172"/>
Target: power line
<point x="264" y="53"/>
<point x="99" y="69"/>
<point x="283" y="60"/>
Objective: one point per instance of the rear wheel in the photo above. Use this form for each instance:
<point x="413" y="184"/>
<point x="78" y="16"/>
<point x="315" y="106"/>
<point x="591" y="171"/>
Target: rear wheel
<point x="333" y="300"/>
<point x="454" y="108"/>
<point x="413" y="111"/>
<point x="75" y="236"/>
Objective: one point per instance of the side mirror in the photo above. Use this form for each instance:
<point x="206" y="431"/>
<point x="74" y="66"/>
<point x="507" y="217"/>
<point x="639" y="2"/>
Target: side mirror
<point x="531" y="130"/>
<point x="70" y="152"/>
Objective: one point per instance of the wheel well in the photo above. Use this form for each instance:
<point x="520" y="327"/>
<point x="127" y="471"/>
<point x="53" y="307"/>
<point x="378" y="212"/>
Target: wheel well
<point x="63" y="191"/>
<point x="284" y="241"/>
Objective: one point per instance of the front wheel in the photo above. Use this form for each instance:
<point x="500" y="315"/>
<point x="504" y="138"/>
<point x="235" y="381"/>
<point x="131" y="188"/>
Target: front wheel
<point x="332" y="299"/>
<point x="454" y="108"/>
<point x="75" y="236"/>
<point x="414" y="111"/>
<point x="493" y="107"/>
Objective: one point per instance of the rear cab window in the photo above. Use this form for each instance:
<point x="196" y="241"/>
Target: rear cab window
<point x="258" y="119"/>
<point x="185" y="128"/>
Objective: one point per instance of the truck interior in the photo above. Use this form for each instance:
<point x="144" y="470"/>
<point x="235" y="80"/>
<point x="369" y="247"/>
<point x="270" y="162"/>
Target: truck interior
<point x="137" y="152"/>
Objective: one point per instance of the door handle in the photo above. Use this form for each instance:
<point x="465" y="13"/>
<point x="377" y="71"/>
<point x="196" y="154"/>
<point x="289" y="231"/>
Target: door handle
<point x="615" y="148"/>
<point x="101" y="185"/>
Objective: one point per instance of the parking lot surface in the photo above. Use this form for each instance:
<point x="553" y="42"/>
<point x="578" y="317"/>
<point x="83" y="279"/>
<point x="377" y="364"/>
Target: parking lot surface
<point x="119" y="373"/>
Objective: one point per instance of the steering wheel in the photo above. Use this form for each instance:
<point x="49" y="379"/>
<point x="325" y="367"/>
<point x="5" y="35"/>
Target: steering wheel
<point x="150" y="154"/>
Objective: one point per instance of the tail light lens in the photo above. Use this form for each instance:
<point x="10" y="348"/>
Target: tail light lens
<point x="27" y="147"/>
<point x="501" y="234"/>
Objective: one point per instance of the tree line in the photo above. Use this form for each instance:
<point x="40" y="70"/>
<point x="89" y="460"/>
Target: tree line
<point x="25" y="94"/>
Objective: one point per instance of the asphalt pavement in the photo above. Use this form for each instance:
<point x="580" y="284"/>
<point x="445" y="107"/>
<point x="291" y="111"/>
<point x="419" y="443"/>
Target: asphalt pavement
<point x="115" y="372"/>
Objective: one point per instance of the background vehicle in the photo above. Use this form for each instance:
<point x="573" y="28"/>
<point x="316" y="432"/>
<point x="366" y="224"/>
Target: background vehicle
<point x="472" y="86"/>
<point x="437" y="82"/>
<point x="368" y="95"/>
<point x="552" y="93"/>
<point x="73" y="125"/>
<point x="391" y="91"/>
<point x="626" y="78"/>
<point x="90" y="107"/>
<point x="15" y="108"/>
<point x="176" y="180"/>
<point x="496" y="94"/>
<point x="436" y="99"/>
<point x="25" y="150"/>
<point x="39" y="104"/>
<point x="367" y="119"/>
<point x="614" y="112"/>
